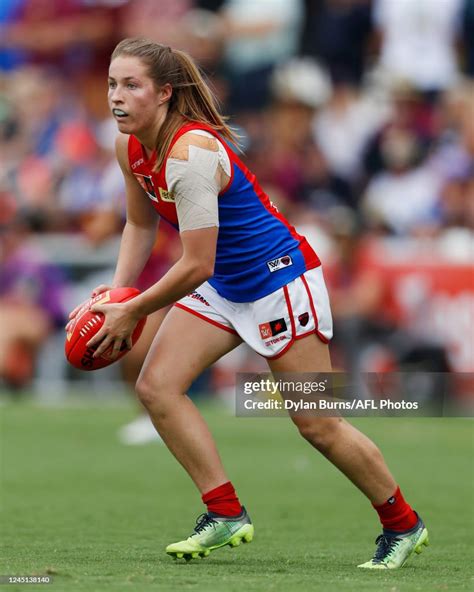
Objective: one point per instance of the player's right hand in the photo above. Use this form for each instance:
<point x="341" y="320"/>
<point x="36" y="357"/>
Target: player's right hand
<point x="95" y="292"/>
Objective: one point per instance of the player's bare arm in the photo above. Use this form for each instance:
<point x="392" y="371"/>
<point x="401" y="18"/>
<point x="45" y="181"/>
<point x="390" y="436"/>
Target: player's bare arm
<point x="194" y="267"/>
<point x="139" y="233"/>
<point x="195" y="201"/>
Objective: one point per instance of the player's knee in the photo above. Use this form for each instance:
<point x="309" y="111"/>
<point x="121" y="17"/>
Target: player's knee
<point x="321" y="432"/>
<point x="145" y="392"/>
<point x="150" y="389"/>
<point x="157" y="392"/>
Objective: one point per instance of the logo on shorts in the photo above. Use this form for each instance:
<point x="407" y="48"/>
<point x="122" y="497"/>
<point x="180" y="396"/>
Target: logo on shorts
<point x="198" y="296"/>
<point x="281" y="263"/>
<point x="272" y="328"/>
<point x="303" y="319"/>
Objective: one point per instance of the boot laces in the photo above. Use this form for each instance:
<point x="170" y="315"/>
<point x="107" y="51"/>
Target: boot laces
<point x="203" y="521"/>
<point x="385" y="546"/>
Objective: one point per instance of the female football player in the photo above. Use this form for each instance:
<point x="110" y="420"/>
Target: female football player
<point x="245" y="274"/>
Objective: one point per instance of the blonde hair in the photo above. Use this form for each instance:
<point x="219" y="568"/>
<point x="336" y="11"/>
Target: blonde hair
<point x="191" y="100"/>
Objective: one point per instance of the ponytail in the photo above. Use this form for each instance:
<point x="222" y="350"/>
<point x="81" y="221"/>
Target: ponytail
<point x="191" y="100"/>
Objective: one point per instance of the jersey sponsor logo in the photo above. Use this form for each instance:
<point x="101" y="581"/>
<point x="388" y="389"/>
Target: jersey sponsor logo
<point x="147" y="185"/>
<point x="272" y="328"/>
<point x="303" y="319"/>
<point x="166" y="195"/>
<point x="137" y="163"/>
<point x="281" y="263"/>
<point x="198" y="296"/>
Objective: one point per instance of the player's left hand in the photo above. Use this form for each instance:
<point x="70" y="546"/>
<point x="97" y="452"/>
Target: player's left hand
<point x="119" y="323"/>
<point x="95" y="292"/>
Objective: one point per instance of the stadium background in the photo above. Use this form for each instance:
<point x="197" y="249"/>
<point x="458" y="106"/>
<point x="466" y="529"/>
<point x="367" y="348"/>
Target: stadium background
<point x="358" y="118"/>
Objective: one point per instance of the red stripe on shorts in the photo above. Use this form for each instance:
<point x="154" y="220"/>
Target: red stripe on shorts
<point x="313" y="310"/>
<point x="204" y="318"/>
<point x="290" y="311"/>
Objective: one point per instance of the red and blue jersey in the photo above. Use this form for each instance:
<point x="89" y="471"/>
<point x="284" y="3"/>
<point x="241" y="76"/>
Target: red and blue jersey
<point x="258" y="251"/>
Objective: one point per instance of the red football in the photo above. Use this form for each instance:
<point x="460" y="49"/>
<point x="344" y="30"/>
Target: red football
<point x="86" y="324"/>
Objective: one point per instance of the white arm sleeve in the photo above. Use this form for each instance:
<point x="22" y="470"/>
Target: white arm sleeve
<point x="194" y="185"/>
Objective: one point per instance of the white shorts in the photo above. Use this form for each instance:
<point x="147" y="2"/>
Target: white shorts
<point x="271" y="324"/>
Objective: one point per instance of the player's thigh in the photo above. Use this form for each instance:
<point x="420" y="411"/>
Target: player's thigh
<point x="306" y="355"/>
<point x="132" y="363"/>
<point x="183" y="348"/>
<point x="137" y="355"/>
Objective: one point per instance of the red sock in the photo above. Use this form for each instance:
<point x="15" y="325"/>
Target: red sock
<point x="223" y="500"/>
<point x="396" y="514"/>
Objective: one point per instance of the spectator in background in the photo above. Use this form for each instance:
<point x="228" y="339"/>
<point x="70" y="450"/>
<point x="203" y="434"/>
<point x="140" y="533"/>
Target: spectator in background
<point x="159" y="21"/>
<point x="352" y="114"/>
<point x="211" y="5"/>
<point x="259" y="36"/>
<point x="66" y="36"/>
<point x="337" y="32"/>
<point x="10" y="56"/>
<point x="381" y="321"/>
<point x="406" y="112"/>
<point x="88" y="199"/>
<point x="360" y="301"/>
<point x="453" y="157"/>
<point x="468" y="37"/>
<point x="402" y="199"/>
<point x="40" y="110"/>
<point x="417" y="41"/>
<point x="454" y="150"/>
<point x="101" y="214"/>
<point x="457" y="201"/>
<point x="203" y="39"/>
<point x="298" y="88"/>
<point x="31" y="302"/>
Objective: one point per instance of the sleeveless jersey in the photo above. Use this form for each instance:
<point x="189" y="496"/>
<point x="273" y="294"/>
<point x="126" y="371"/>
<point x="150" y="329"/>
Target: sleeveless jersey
<point x="258" y="251"/>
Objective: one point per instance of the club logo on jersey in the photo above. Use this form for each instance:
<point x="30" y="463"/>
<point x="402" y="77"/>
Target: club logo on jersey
<point x="277" y="264"/>
<point x="272" y="328"/>
<point x="303" y="319"/>
<point x="167" y="195"/>
<point x="147" y="185"/>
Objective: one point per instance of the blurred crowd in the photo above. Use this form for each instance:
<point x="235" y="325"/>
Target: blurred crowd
<point x="357" y="116"/>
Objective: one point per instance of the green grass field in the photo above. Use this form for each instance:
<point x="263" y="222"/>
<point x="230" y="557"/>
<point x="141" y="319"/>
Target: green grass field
<point x="97" y="515"/>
